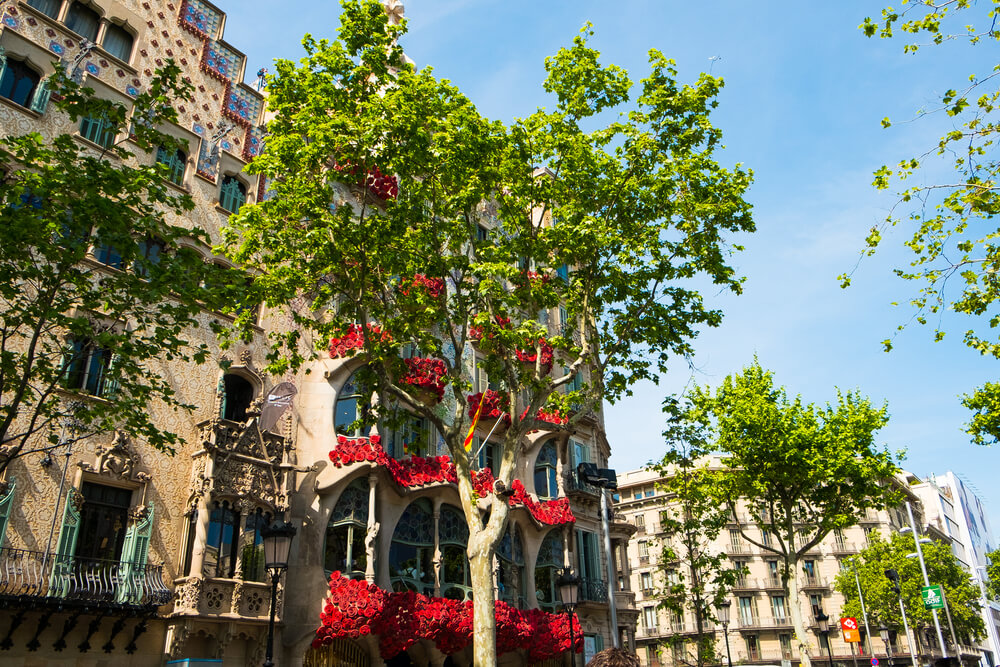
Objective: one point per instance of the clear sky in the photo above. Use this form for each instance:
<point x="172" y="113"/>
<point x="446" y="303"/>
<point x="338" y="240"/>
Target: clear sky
<point x="805" y="92"/>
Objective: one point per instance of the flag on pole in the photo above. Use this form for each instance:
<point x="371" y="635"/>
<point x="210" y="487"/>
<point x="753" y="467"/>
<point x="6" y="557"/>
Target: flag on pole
<point x="472" y="428"/>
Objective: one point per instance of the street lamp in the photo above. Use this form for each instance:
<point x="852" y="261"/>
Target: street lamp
<point x="884" y="634"/>
<point x="723" y="610"/>
<point x="277" y="540"/>
<point x="605" y="479"/>
<point x="823" y="621"/>
<point x="569" y="592"/>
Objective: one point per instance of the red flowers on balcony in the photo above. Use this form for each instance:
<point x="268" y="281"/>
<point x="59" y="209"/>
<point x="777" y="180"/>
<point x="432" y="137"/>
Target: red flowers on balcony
<point x="494" y="406"/>
<point x="355" y="608"/>
<point x="476" y="333"/>
<point x="346" y="345"/>
<point x="381" y="185"/>
<point x="432" y="287"/>
<point x="426" y="375"/>
<point x="530" y="356"/>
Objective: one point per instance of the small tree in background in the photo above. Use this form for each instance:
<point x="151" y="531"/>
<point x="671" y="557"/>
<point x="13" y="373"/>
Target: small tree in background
<point x="805" y="470"/>
<point x="555" y="258"/>
<point x="993" y="575"/>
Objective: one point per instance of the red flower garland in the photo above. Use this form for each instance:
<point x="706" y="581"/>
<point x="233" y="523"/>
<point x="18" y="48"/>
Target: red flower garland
<point x="354" y="339"/>
<point x="427" y="374"/>
<point x="432" y="287"/>
<point x="476" y="333"/>
<point x="554" y="417"/>
<point x="355" y="608"/>
<point x="380" y="185"/>
<point x="494" y="406"/>
<point x="422" y="470"/>
<point x="530" y="355"/>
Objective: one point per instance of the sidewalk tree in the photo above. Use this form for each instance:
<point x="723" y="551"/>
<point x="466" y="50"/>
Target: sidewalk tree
<point x="92" y="280"/>
<point x="805" y="470"/>
<point x="943" y="569"/>
<point x="696" y="579"/>
<point x="993" y="575"/>
<point x="382" y="175"/>
<point x="951" y="222"/>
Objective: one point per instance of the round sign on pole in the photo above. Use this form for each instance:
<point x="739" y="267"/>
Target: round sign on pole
<point x="874" y="662"/>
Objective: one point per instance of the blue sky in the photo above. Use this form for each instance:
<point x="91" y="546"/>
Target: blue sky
<point x="805" y="93"/>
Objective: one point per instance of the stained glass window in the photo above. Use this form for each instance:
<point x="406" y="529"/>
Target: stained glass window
<point x="411" y="552"/>
<point x="345" y="533"/>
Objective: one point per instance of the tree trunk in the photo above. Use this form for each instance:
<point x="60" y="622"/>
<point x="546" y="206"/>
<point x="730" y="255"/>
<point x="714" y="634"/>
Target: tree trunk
<point x="795" y="609"/>
<point x="484" y="622"/>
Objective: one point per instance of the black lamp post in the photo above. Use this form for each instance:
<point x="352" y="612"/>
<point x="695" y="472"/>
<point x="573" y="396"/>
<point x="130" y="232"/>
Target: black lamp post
<point x="569" y="592"/>
<point x="823" y="621"/>
<point x="277" y="542"/>
<point x="723" y="611"/>
<point x="883" y="632"/>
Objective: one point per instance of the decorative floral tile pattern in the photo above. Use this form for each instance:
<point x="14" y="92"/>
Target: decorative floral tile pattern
<point x="220" y="61"/>
<point x="197" y="17"/>
<point x="242" y="106"/>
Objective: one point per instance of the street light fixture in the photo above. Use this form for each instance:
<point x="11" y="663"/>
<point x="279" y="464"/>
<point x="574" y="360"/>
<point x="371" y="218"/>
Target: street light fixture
<point x="883" y="632"/>
<point x="605" y="479"/>
<point x="823" y="621"/>
<point x="277" y="540"/>
<point x="569" y="593"/>
<point x="723" y="610"/>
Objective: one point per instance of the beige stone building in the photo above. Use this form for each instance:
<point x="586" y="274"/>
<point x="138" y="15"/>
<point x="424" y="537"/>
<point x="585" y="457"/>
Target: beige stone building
<point x="760" y="628"/>
<point x="113" y="553"/>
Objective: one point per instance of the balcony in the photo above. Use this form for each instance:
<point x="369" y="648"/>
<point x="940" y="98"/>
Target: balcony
<point x="650" y="631"/>
<point x="738" y="549"/>
<point x="773" y="583"/>
<point x="842" y="547"/>
<point x="813" y="581"/>
<point x="36" y="578"/>
<point x="575" y="487"/>
<point x="624" y="600"/>
<point x="746" y="584"/>
<point x="593" y="590"/>
<point x="644" y="560"/>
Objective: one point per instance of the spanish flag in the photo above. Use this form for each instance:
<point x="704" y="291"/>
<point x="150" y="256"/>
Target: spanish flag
<point x="472" y="428"/>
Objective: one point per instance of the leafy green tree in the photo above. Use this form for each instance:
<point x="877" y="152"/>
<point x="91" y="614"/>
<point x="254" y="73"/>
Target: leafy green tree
<point x="541" y="233"/>
<point x="807" y="470"/>
<point x="993" y="575"/>
<point x="697" y="579"/>
<point x="943" y="569"/>
<point x="950" y="222"/>
<point x="92" y="280"/>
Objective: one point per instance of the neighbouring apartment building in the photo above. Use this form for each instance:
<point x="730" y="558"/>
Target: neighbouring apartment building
<point x="113" y="553"/>
<point x="760" y="627"/>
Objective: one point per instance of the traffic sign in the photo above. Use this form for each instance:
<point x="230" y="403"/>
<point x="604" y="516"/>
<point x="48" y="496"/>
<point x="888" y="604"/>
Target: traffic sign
<point x="933" y="597"/>
<point x="849" y="626"/>
<point x="874" y="662"/>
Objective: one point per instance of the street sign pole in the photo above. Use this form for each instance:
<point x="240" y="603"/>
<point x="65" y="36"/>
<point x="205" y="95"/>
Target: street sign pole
<point x="864" y="612"/>
<point x="854" y="655"/>
<point x="927" y="582"/>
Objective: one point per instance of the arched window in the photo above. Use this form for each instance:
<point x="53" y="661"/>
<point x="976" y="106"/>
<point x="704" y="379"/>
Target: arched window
<point x="548" y="566"/>
<point x="232" y="194"/>
<point x="236" y="398"/>
<point x="48" y="7"/>
<point x="453" y="535"/>
<point x="221" y="541"/>
<point x="83" y="20"/>
<point x="176" y="162"/>
<point x="252" y="546"/>
<point x="352" y="404"/>
<point x="118" y="42"/>
<point x="546" y="485"/>
<point x="510" y="575"/>
<point x="411" y="554"/>
<point x="345" y="532"/>
<point x="18" y="81"/>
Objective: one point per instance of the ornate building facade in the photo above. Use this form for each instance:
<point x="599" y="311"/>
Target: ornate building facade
<point x="112" y="550"/>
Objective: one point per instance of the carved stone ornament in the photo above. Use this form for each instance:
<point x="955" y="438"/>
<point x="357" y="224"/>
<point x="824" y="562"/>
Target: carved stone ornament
<point x="188" y="595"/>
<point x="138" y="513"/>
<point x="395" y="10"/>
<point x="117" y="459"/>
<point x="177" y="637"/>
<point x="77" y="500"/>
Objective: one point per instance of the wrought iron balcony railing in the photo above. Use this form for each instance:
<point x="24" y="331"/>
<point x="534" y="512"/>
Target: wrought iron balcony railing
<point x="33" y="576"/>
<point x="593" y="590"/>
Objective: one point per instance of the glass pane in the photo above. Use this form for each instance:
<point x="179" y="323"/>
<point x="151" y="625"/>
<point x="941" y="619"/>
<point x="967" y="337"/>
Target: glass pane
<point x="48" y="7"/>
<point x="83" y="21"/>
<point x="118" y="42"/>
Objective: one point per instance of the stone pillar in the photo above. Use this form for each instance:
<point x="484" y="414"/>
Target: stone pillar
<point x="371" y="537"/>
<point x="437" y="546"/>
<point x="201" y="526"/>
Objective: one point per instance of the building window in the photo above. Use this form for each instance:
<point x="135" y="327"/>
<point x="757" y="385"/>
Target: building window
<point x="778" y="609"/>
<point x="748" y="611"/>
<point x="18" y="81"/>
<point x="222" y="541"/>
<point x="650" y="492"/>
<point x="411" y="553"/>
<point x="547" y="569"/>
<point x="646" y="582"/>
<point x="510" y="575"/>
<point x="809" y="567"/>
<point x="785" y="641"/>
<point x="453" y="536"/>
<point x="765" y="537"/>
<point x="347" y="412"/>
<point x="232" y="194"/>
<point x="252" y="546"/>
<point x="236" y="397"/>
<point x="753" y="648"/>
<point x="482" y="233"/>
<point x="345" y="532"/>
<point x="86" y="368"/>
<point x="649" y="618"/>
<point x="640" y="523"/>
<point x="150" y="251"/>
<point x="816" y="604"/>
<point x="176" y="163"/>
<point x="103" y="522"/>
<point x="546" y="485"/>
<point x="83" y="20"/>
<point x="118" y="42"/>
<point x="97" y="130"/>
<point x="48" y="7"/>
<point x="414" y="437"/>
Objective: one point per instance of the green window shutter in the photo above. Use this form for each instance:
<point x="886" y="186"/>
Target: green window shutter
<point x="599" y="640"/>
<point x="132" y="567"/>
<point x="581" y="561"/>
<point x="6" y="501"/>
<point x="62" y="564"/>
<point x="110" y="386"/>
<point x="40" y="101"/>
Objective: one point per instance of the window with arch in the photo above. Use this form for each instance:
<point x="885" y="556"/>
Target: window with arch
<point x="411" y="554"/>
<point x="98" y="130"/>
<point x="83" y="20"/>
<point x="222" y="540"/>
<point x="232" y="194"/>
<point x="510" y="574"/>
<point x="352" y="404"/>
<point x="546" y="480"/>
<point x="345" y="532"/>
<point x="252" y="546"/>
<point x="48" y="7"/>
<point x="453" y="535"/>
<point x="548" y="567"/>
<point x="18" y="81"/>
<point x="237" y="394"/>
<point x="118" y="42"/>
<point x="176" y="163"/>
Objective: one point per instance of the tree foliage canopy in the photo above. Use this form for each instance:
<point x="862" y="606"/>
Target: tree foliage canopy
<point x="953" y="236"/>
<point x="943" y="569"/>
<point x="93" y="283"/>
